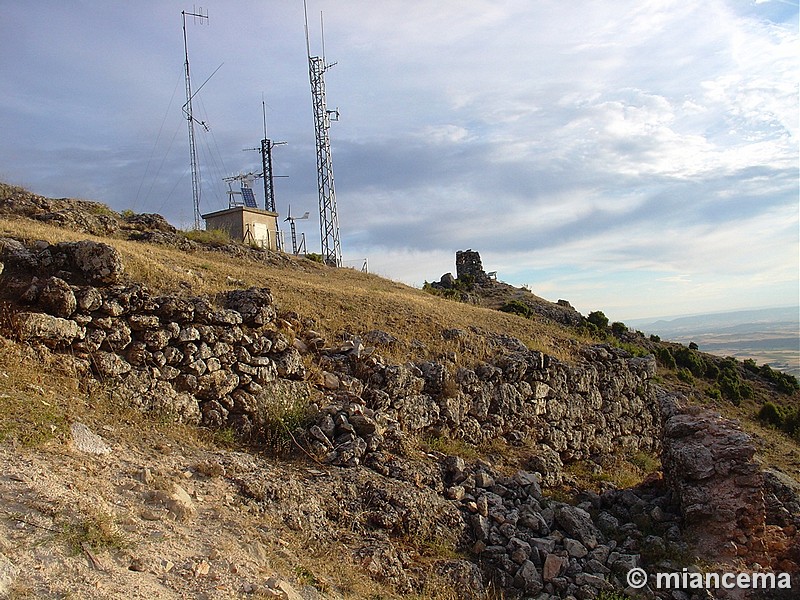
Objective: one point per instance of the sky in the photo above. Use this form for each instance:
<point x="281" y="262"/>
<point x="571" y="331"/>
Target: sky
<point x="638" y="157"/>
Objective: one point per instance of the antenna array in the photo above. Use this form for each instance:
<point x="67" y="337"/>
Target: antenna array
<point x="328" y="218"/>
<point x="187" y="110"/>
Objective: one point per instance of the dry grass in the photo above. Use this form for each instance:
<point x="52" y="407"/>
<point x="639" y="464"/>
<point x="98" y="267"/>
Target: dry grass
<point x="337" y="300"/>
<point x="38" y="396"/>
<point x="621" y="471"/>
<point x="41" y="395"/>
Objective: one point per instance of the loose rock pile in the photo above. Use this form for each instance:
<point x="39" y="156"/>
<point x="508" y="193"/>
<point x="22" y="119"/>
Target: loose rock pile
<point x="537" y="546"/>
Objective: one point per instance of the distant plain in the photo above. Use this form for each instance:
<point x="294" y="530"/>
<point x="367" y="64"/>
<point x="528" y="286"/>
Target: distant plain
<point x="769" y="335"/>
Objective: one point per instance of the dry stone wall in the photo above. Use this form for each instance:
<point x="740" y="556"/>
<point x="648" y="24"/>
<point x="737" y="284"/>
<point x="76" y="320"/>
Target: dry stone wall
<point x="222" y="361"/>
<point x="600" y="405"/>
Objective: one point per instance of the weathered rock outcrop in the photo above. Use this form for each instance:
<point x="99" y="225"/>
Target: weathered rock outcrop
<point x="730" y="507"/>
<point x="708" y="461"/>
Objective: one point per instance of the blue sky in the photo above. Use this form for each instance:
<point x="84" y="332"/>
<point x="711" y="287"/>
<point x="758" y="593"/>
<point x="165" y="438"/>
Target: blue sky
<point x="634" y="156"/>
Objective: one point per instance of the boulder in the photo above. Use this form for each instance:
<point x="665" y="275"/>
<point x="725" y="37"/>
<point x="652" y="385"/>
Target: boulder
<point x="55" y="296"/>
<point x="255" y="305"/>
<point x="97" y="262"/>
<point x="108" y="364"/>
<point x="84" y="440"/>
<point x="528" y="579"/>
<point x="213" y="386"/>
<point x="578" y="523"/>
<point x="289" y="364"/>
<point x="51" y="331"/>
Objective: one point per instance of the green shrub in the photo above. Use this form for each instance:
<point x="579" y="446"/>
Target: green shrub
<point x="685" y="375"/>
<point x="517" y="307"/>
<point x="693" y="346"/>
<point x="787" y="419"/>
<point x="772" y="414"/>
<point x="590" y="330"/>
<point x="633" y="349"/>
<point x="730" y="383"/>
<point x="714" y="392"/>
<point x="618" y="328"/>
<point x="712" y="371"/>
<point x="664" y="356"/>
<point x="655" y="338"/>
<point x="314" y="257"/>
<point x="730" y="390"/>
<point x="791" y="422"/>
<point x="689" y="359"/>
<point x="786" y="383"/>
<point x="97" y="208"/>
<point x="598" y="318"/>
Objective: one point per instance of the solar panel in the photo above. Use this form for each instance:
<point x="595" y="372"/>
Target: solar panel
<point x="249" y="197"/>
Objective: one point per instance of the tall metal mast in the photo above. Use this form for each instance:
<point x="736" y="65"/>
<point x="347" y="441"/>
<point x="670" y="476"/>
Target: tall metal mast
<point x="187" y="110"/>
<point x="328" y="218"/>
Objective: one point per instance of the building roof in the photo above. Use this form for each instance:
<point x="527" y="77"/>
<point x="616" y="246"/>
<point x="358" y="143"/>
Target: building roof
<point x="235" y="209"/>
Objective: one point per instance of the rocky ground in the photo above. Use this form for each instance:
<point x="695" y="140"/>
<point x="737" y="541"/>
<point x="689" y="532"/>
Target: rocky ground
<point x="151" y="516"/>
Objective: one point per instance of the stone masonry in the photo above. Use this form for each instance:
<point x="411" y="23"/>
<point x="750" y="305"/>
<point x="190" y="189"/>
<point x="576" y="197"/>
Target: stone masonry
<point x="469" y="266"/>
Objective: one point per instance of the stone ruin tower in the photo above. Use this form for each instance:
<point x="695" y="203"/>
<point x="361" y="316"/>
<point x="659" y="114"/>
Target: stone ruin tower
<point x="468" y="262"/>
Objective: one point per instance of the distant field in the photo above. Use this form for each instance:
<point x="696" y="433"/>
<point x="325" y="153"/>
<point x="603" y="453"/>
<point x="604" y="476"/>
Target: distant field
<point x="779" y="353"/>
<point x="769" y="336"/>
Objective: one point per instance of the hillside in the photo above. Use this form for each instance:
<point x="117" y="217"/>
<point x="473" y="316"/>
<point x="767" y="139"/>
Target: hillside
<point x="184" y="416"/>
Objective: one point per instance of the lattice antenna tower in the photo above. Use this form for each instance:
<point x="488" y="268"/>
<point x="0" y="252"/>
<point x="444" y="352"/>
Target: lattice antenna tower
<point x="187" y="111"/>
<point x="328" y="217"/>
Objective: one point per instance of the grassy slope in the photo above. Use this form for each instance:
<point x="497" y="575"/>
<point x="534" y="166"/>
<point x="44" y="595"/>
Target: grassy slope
<point x="345" y="300"/>
<point x="342" y="300"/>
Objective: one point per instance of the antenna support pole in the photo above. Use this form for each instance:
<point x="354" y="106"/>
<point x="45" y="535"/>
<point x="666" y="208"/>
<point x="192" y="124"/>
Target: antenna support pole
<point x="328" y="218"/>
<point x="187" y="110"/>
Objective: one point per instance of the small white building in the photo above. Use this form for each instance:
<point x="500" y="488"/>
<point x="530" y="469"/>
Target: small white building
<point x="247" y="225"/>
